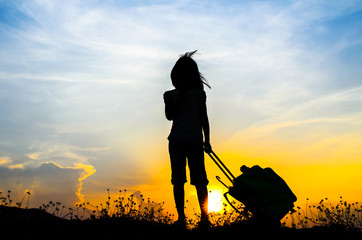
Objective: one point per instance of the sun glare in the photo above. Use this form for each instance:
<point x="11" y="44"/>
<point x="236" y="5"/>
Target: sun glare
<point x="215" y="201"/>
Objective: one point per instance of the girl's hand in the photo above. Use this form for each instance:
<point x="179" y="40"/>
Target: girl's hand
<point x="207" y="147"/>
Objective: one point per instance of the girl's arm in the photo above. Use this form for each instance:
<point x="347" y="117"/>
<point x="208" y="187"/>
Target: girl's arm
<point x="169" y="111"/>
<point x="206" y="128"/>
<point x="172" y="102"/>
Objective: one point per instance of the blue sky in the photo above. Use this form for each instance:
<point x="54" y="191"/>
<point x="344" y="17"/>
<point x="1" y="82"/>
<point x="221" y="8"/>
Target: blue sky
<point x="81" y="85"/>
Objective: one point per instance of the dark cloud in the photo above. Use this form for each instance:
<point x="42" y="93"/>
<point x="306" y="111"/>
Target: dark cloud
<point x="48" y="182"/>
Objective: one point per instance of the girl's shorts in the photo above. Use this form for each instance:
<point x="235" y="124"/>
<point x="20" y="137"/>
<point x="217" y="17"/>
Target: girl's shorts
<point x="194" y="153"/>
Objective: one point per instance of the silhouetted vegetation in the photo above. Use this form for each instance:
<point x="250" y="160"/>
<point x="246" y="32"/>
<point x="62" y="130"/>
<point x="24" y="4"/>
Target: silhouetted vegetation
<point x="347" y="216"/>
<point x="133" y="216"/>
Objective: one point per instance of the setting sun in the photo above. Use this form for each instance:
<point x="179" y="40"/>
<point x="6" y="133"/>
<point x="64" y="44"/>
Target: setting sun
<point x="215" y="201"/>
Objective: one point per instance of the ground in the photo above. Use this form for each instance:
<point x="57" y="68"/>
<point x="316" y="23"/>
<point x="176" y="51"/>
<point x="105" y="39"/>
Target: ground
<point x="18" y="223"/>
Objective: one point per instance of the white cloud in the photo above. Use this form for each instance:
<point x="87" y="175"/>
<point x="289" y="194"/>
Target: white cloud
<point x="15" y="166"/>
<point x="47" y="151"/>
<point x="4" y="160"/>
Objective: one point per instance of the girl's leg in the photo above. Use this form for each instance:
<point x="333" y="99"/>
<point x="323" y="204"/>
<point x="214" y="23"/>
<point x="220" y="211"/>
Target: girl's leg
<point x="202" y="196"/>
<point x="178" y="178"/>
<point x="179" y="195"/>
<point x="198" y="176"/>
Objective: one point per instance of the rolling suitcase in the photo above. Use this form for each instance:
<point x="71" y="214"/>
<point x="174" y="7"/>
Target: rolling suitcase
<point x="265" y="194"/>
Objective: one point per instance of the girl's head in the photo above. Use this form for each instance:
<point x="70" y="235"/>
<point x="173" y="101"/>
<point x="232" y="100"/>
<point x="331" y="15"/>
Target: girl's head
<point x="185" y="74"/>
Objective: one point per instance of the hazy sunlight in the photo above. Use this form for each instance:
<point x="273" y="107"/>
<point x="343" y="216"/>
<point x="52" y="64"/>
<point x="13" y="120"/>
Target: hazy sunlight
<point x="215" y="201"/>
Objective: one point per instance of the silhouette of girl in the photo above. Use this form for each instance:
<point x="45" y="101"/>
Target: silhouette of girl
<point x="190" y="133"/>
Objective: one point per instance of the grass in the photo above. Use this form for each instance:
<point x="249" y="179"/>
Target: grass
<point x="344" y="215"/>
<point x="7" y="201"/>
<point x="124" y="206"/>
<point x="124" y="215"/>
<point x="127" y="206"/>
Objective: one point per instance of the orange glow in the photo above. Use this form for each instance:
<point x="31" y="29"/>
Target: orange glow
<point x="313" y="167"/>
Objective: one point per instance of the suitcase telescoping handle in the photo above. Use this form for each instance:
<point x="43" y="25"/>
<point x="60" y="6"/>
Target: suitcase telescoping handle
<point x="222" y="167"/>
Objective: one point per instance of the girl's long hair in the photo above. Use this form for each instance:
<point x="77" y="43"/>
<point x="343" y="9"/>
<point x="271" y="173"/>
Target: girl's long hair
<point x="185" y="74"/>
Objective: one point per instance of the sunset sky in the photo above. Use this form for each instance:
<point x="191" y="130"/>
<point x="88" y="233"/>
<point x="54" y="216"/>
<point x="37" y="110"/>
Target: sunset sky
<point x="81" y="86"/>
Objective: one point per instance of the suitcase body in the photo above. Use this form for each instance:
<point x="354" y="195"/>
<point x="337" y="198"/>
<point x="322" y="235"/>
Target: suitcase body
<point x="265" y="194"/>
